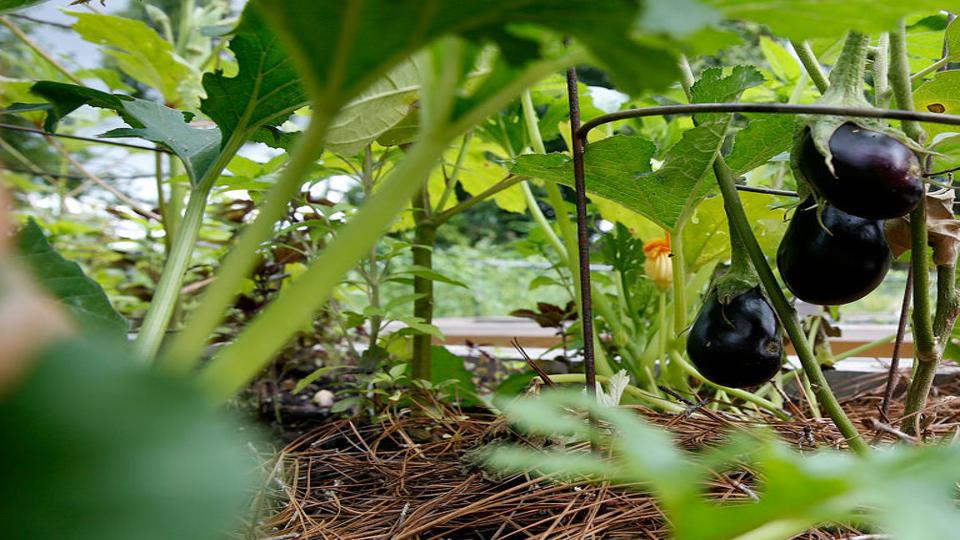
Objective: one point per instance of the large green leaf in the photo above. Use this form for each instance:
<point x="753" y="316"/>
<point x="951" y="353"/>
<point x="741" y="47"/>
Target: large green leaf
<point x="266" y="89"/>
<point x="714" y="87"/>
<point x="143" y="55"/>
<point x="377" y="110"/>
<point x="343" y="47"/>
<point x="66" y="281"/>
<point x="196" y="148"/>
<point x="804" y="19"/>
<point x="97" y="448"/>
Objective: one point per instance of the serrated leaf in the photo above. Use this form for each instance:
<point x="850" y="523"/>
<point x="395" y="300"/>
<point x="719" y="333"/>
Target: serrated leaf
<point x="941" y="94"/>
<point x="67" y="282"/>
<point x="377" y="110"/>
<point x="196" y="148"/>
<point x="142" y="54"/>
<point x="714" y="87"/>
<point x="265" y="90"/>
<point x="805" y="19"/>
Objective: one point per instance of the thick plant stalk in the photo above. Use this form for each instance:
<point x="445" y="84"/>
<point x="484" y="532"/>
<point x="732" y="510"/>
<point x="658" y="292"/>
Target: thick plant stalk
<point x="425" y="238"/>
<point x="811" y="65"/>
<point x="927" y="342"/>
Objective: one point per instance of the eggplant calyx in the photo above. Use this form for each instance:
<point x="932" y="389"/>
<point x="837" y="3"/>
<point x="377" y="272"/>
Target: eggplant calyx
<point x="736" y="281"/>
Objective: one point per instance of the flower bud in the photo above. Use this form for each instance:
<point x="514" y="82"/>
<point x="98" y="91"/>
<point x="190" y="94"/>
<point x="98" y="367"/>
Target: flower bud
<point x="657" y="266"/>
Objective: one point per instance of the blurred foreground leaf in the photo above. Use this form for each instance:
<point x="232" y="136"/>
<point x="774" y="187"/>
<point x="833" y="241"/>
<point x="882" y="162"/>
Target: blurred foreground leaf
<point x="95" y="448"/>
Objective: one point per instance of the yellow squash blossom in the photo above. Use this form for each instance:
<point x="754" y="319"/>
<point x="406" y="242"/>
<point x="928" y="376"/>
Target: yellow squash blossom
<point x="657" y="265"/>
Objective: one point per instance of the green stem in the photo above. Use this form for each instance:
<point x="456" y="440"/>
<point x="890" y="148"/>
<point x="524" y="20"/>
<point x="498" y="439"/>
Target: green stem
<point x="240" y="361"/>
<point x="785" y="312"/>
<point x="463" y="206"/>
<point x="175" y="199"/>
<point x="451" y="186"/>
<point x="567" y="248"/>
<point x="948" y="303"/>
<point x="187" y="347"/>
<point x="632" y="391"/>
<point x="425" y="238"/>
<point x="679" y="279"/>
<point x="931" y="68"/>
<point x="373" y="273"/>
<point x="900" y="81"/>
<point x="881" y="71"/>
<point x="662" y="330"/>
<point x="811" y="65"/>
<point x="749" y="397"/>
<point x="863" y="348"/>
<point x="530" y="121"/>
<point x="927" y="351"/>
<point x="802" y="377"/>
<point x="167" y="293"/>
<point x="162" y="203"/>
<point x="847" y="74"/>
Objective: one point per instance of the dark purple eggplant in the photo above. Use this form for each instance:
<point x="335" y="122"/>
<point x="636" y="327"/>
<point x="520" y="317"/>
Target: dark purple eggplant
<point x="737" y="344"/>
<point x="835" y="262"/>
<point x="875" y="176"/>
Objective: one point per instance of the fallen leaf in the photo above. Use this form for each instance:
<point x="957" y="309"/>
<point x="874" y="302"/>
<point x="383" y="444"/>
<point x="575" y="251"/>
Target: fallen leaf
<point x="943" y="229"/>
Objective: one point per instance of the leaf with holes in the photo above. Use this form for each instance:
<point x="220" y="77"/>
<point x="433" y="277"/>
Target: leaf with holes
<point x="941" y="94"/>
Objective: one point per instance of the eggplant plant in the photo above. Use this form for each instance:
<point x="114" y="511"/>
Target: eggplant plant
<point x="465" y="101"/>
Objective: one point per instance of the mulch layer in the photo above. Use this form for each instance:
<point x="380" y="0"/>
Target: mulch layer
<point x="413" y="477"/>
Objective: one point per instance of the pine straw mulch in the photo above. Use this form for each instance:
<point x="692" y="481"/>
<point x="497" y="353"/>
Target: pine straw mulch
<point x="412" y="477"/>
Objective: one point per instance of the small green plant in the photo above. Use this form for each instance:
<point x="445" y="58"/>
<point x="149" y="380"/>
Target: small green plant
<point x="904" y="491"/>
